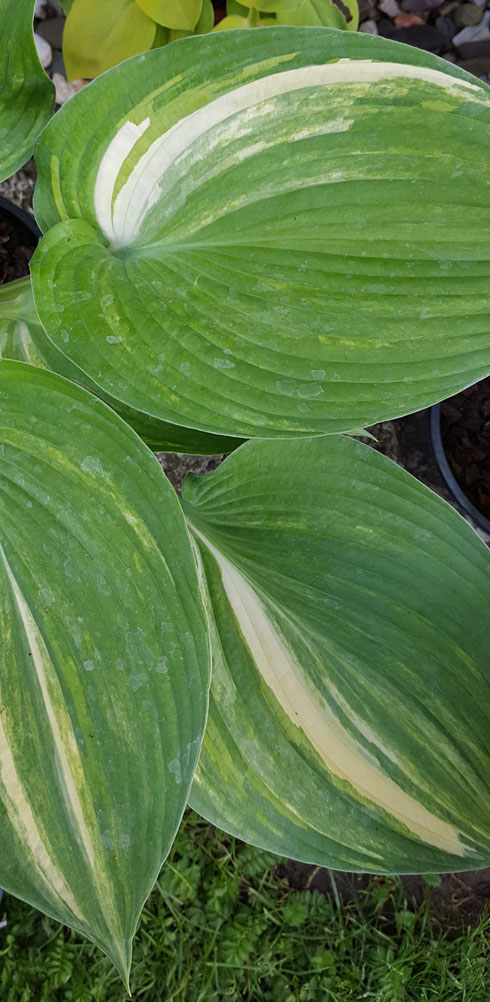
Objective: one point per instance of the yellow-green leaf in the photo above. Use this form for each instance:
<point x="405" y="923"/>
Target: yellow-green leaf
<point x="180" y="14"/>
<point x="100" y="35"/>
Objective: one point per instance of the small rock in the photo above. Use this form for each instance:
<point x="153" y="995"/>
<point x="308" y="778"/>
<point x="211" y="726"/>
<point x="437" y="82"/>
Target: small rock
<point x="475" y="50"/>
<point x="422" y="36"/>
<point x="369" y="27"/>
<point x="467" y="15"/>
<point x="407" y="20"/>
<point x="64" y="90"/>
<point x="474" y="33"/>
<point x="40" y="10"/>
<point x="52" y="31"/>
<point x="447" y="7"/>
<point x="446" y="28"/>
<point x="418" y="5"/>
<point x="44" y="50"/>
<point x="368" y="10"/>
<point x="478" y="67"/>
<point x="57" y="64"/>
<point x="389" y="7"/>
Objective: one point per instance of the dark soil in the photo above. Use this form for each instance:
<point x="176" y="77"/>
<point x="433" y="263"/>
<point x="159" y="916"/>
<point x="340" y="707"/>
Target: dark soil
<point x="17" y="246"/>
<point x="465" y="428"/>
<point x="458" y="901"/>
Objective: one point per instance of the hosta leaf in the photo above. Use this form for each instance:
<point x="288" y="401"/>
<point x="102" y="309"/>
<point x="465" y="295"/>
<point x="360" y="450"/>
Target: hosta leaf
<point x="323" y="12"/>
<point x="259" y="241"/>
<point x="100" y="35"/>
<point x="271" y="6"/>
<point x="350" y="701"/>
<point x="103" y="660"/>
<point x="204" y="24"/>
<point x="21" y="334"/>
<point x="181" y="14"/>
<point x="26" y="93"/>
<point x="232" y="21"/>
<point x="22" y="337"/>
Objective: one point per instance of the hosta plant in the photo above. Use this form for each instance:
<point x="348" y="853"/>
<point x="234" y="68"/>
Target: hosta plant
<point x="278" y="236"/>
<point x="101" y="33"/>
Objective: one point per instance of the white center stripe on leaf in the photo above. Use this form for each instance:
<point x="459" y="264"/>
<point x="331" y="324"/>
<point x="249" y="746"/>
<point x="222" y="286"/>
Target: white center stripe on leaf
<point x="341" y="754"/>
<point x="24" y="823"/>
<point x="121" y="224"/>
<point x="70" y="768"/>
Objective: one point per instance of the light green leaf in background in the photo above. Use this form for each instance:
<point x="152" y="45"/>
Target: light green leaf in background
<point x="232" y="21"/>
<point x="204" y="24"/>
<point x="322" y="12"/>
<point x="180" y="14"/>
<point x="271" y="6"/>
<point x="26" y="93"/>
<point x="350" y="701"/>
<point x="270" y="233"/>
<point x="104" y="659"/>
<point x="100" y="35"/>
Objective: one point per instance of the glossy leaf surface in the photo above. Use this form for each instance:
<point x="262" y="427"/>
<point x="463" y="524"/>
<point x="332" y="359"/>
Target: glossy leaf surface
<point x="103" y="662"/>
<point x="26" y="93"/>
<point x="270" y="233"/>
<point x="350" y="701"/>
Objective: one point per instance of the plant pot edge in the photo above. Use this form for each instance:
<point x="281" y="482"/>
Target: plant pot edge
<point x="456" y="490"/>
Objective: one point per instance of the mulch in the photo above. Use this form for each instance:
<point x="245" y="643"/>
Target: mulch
<point x="17" y="246"/>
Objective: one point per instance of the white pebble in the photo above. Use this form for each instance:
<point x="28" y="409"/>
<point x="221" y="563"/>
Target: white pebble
<point x="44" y="50"/>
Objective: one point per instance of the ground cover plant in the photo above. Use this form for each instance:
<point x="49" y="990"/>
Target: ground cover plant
<point x="277" y="236"/>
<point x="221" y="923"/>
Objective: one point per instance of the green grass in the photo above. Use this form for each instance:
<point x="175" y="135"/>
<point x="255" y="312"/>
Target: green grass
<point x="221" y="925"/>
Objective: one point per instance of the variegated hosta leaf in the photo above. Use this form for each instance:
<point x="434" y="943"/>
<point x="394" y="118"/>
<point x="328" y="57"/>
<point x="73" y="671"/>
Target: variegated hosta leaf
<point x="103" y="659"/>
<point x="26" y="93"/>
<point x="22" y="337"/>
<point x="99" y="35"/>
<point x="270" y="233"/>
<point x="350" y="702"/>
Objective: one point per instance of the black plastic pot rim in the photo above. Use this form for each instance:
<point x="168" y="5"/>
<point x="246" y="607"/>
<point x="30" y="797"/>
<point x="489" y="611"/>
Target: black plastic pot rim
<point x="437" y="444"/>
<point x="23" y="217"/>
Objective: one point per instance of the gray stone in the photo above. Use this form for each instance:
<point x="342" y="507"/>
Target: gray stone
<point x="57" y="65"/>
<point x="415" y="6"/>
<point x="52" y="31"/>
<point x="446" y="28"/>
<point x="369" y="27"/>
<point x="422" y="36"/>
<point x="475" y="50"/>
<point x="389" y="7"/>
<point x="467" y="15"/>
<point x="368" y="10"/>
<point x="474" y="33"/>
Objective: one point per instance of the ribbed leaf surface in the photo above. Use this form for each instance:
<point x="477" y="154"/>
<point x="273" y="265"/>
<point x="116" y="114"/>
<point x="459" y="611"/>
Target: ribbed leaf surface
<point x="22" y="337"/>
<point x="350" y="701"/>
<point x="275" y="233"/>
<point x="26" y="93"/>
<point x="103" y="659"/>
